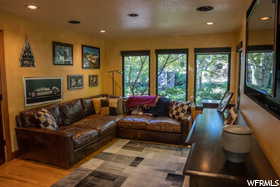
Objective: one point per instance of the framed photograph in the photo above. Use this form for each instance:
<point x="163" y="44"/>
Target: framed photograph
<point x="90" y="57"/>
<point x="62" y="53"/>
<point x="27" y="57"/>
<point x="75" y="82"/>
<point x="39" y="90"/>
<point x="93" y="80"/>
<point x="225" y="101"/>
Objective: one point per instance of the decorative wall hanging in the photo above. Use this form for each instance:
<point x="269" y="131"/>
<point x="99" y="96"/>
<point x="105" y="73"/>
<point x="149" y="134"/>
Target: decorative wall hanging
<point x="75" y="82"/>
<point x="27" y="57"/>
<point x="93" y="80"/>
<point x="90" y="57"/>
<point x="38" y="90"/>
<point x="62" y="53"/>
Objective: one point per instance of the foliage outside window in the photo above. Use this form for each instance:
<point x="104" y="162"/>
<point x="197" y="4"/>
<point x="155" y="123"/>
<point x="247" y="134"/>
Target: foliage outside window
<point x="260" y="71"/>
<point x="136" y="75"/>
<point x="212" y="76"/>
<point x="171" y="76"/>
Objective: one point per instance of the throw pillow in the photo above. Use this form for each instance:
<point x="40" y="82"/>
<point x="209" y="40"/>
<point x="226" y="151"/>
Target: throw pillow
<point x="97" y="104"/>
<point x="179" y="110"/>
<point x="120" y="109"/>
<point x="104" y="107"/>
<point x="161" y="108"/>
<point x="47" y="121"/>
<point x="113" y="106"/>
<point x="107" y="106"/>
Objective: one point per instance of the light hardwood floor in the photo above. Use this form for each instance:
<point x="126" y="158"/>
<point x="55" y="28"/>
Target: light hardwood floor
<point x="22" y="173"/>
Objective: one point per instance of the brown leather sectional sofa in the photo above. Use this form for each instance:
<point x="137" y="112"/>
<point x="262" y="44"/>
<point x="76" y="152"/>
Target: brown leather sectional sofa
<point x="81" y="132"/>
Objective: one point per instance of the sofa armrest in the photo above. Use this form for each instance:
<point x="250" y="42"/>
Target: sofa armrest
<point x="55" y="147"/>
<point x="186" y="125"/>
<point x="43" y="131"/>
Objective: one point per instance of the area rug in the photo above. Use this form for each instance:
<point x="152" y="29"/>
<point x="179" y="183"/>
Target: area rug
<point x="130" y="163"/>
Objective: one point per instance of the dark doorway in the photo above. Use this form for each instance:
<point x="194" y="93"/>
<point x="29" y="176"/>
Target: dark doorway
<point x="2" y="139"/>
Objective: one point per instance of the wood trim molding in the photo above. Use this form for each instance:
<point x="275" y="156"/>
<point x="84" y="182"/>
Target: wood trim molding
<point x="136" y="53"/>
<point x="15" y="154"/>
<point x="213" y="50"/>
<point x="5" y="113"/>
<point x="172" y="51"/>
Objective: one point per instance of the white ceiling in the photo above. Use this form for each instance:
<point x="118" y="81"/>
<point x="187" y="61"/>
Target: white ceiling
<point x="156" y="17"/>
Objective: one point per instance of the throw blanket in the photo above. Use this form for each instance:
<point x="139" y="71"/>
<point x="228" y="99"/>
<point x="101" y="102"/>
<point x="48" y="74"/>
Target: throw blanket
<point x="147" y="101"/>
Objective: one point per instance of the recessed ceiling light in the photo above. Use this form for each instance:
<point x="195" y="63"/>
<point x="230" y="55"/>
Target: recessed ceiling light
<point x="209" y="23"/>
<point x="74" y="22"/>
<point x="133" y="15"/>
<point x="204" y="8"/>
<point x="266" y="18"/>
<point x="32" y="7"/>
<point x="102" y="31"/>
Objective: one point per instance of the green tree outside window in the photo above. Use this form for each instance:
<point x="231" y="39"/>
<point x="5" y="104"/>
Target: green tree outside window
<point x="136" y="75"/>
<point x="172" y="76"/>
<point x="260" y="71"/>
<point x="212" y="72"/>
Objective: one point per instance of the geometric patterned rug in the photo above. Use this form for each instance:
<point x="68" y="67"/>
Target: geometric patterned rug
<point x="131" y="163"/>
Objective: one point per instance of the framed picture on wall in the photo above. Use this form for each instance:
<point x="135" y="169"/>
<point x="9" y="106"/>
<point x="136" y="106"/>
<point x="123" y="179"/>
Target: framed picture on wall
<point x="27" y="57"/>
<point x="93" y="80"/>
<point x="39" y="90"/>
<point x="90" y="57"/>
<point x="75" y="82"/>
<point x="62" y="53"/>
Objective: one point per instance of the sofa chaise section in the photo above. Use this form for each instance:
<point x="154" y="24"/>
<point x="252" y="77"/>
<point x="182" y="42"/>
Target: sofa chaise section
<point x="158" y="129"/>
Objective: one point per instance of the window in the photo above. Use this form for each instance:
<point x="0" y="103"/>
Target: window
<point x="136" y="71"/>
<point x="172" y="73"/>
<point x="212" y="73"/>
<point x="260" y="68"/>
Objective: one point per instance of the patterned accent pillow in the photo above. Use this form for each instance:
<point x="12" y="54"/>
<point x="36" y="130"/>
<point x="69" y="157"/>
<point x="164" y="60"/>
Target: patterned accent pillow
<point x="179" y="110"/>
<point x="47" y="121"/>
<point x="107" y="106"/>
<point x="97" y="104"/>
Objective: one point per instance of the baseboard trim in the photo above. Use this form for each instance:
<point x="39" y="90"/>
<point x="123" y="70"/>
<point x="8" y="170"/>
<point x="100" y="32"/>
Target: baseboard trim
<point x="16" y="154"/>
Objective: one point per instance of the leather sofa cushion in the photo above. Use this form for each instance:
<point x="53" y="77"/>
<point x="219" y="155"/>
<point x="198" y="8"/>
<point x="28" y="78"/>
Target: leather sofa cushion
<point x="54" y="110"/>
<point x="88" y="107"/>
<point x="134" y="122"/>
<point x="164" y="124"/>
<point x="72" y="111"/>
<point x="80" y="136"/>
<point x="98" y="122"/>
<point x="160" y="124"/>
